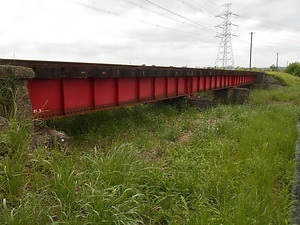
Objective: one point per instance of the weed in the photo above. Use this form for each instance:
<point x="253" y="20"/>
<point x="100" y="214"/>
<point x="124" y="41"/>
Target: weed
<point x="285" y="78"/>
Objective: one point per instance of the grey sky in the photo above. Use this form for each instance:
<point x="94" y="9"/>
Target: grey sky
<point x="138" y="32"/>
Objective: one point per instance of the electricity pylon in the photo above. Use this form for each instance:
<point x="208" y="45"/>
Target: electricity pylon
<point x="225" y="58"/>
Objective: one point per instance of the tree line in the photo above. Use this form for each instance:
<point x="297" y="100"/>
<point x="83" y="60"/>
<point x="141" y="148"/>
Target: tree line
<point x="293" y="68"/>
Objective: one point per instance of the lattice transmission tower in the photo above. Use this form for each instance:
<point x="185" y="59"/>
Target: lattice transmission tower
<point x="225" y="58"/>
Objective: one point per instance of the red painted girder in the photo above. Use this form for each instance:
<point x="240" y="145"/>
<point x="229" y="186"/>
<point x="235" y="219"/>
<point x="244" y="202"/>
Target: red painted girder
<point x="51" y="98"/>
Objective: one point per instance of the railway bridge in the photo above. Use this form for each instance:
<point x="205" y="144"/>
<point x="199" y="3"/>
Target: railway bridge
<point x="59" y="89"/>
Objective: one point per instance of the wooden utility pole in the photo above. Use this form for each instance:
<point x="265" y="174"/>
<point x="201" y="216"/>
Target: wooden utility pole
<point x="277" y="62"/>
<point x="251" y="50"/>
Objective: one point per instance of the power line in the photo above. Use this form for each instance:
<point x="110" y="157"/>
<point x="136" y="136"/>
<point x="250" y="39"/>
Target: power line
<point x="162" y="15"/>
<point x="176" y="14"/>
<point x="213" y="12"/>
<point x="262" y="52"/>
<point x="216" y="7"/>
<point x="274" y="38"/>
<point x="257" y="49"/>
<point x="263" y="25"/>
<point x="196" y="8"/>
<point x="278" y="45"/>
<point x="271" y="22"/>
<point x="193" y="7"/>
<point x="266" y="24"/>
<point x="284" y="39"/>
<point x="140" y="21"/>
<point x="261" y="43"/>
<point x="292" y="49"/>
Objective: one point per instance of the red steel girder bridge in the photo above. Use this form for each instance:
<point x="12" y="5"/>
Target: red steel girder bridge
<point x="66" y="88"/>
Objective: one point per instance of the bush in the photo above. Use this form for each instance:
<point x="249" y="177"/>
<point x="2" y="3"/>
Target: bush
<point x="294" y="68"/>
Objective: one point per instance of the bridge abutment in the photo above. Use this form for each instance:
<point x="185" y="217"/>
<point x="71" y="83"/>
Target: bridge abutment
<point x="14" y="94"/>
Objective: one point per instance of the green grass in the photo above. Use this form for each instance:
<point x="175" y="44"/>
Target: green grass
<point x="154" y="164"/>
<point x="289" y="94"/>
<point x="285" y="78"/>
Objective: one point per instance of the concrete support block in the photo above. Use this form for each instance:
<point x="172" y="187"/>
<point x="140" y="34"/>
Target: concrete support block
<point x="221" y="95"/>
<point x="232" y="95"/>
<point x="200" y="103"/>
<point x="238" y="95"/>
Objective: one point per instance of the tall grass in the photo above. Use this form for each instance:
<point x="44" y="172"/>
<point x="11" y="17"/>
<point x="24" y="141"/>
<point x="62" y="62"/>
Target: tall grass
<point x="285" y="78"/>
<point x="154" y="164"/>
<point x="289" y="94"/>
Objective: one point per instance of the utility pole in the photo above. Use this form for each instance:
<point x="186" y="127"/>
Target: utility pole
<point x="225" y="52"/>
<point x="277" y="62"/>
<point x="251" y="50"/>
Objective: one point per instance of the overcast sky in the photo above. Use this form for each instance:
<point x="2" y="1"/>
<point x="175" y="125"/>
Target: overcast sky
<point x="170" y="33"/>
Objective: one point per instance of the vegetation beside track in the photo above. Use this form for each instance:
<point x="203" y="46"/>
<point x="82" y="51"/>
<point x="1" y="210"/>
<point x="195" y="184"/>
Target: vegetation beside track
<point x="290" y="94"/>
<point x="156" y="164"/>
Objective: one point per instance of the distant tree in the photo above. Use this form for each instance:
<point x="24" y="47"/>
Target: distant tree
<point x="256" y="69"/>
<point x="272" y="67"/>
<point x="294" y="68"/>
